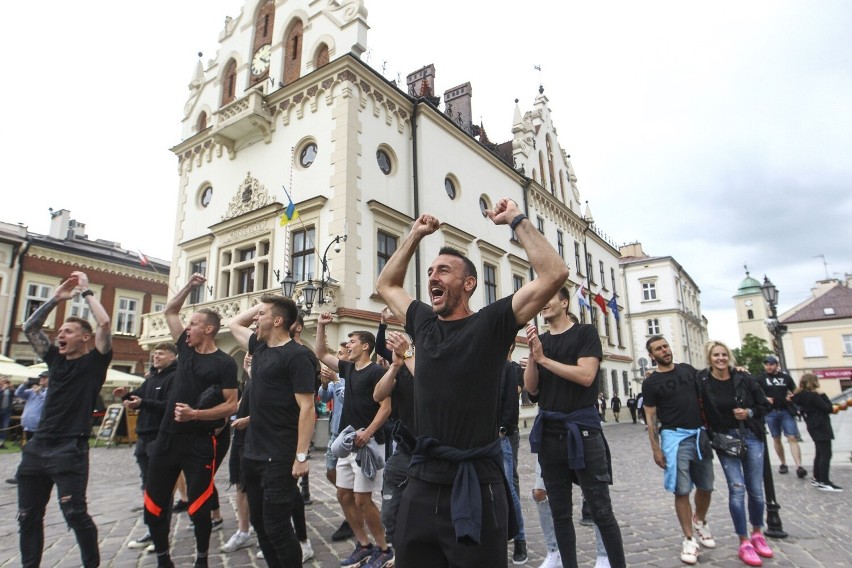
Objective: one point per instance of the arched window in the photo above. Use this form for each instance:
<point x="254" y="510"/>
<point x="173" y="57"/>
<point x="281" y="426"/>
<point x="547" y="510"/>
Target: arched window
<point x="293" y="52"/>
<point x="541" y="166"/>
<point x="322" y="56"/>
<point x="750" y="314"/>
<point x="550" y="166"/>
<point x="229" y="83"/>
<point x="261" y="46"/>
<point x="201" y="125"/>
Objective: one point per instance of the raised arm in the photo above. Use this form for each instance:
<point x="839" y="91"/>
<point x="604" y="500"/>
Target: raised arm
<point x="240" y="323"/>
<point x="385" y="386"/>
<point x="583" y="373"/>
<point x="33" y="326"/>
<point x="172" y="311"/>
<point x="551" y="271"/>
<point x="391" y="280"/>
<point x="103" y="331"/>
<point x="322" y="348"/>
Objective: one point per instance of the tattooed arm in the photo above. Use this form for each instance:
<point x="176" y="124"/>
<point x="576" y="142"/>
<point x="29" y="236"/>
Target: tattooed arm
<point x="32" y="327"/>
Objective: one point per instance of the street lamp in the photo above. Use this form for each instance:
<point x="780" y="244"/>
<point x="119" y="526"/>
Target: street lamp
<point x="288" y="285"/>
<point x="774" y="527"/>
<point x="325" y="278"/>
<point x="309" y="291"/>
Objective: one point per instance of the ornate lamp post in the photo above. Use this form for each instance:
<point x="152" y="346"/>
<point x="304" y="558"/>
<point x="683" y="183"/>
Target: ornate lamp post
<point x="774" y="527"/>
<point x="326" y="278"/>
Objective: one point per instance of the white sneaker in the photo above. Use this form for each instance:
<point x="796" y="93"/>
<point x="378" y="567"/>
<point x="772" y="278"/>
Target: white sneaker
<point x="689" y="552"/>
<point x="307" y="551"/>
<point x="701" y="533"/>
<point x="237" y="541"/>
<point x="552" y="560"/>
<point x="150" y="549"/>
<point x="602" y="562"/>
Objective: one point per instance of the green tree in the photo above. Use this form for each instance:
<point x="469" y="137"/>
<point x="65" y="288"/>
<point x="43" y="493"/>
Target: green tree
<point x="752" y="353"/>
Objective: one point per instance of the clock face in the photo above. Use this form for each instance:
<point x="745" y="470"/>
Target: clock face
<point x="260" y="61"/>
<point x="748" y="303"/>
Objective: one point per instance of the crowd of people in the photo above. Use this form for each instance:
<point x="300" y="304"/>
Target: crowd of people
<point x="402" y="425"/>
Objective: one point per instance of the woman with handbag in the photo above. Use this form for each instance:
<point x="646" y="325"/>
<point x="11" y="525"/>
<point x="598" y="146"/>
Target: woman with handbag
<point x="817" y="409"/>
<point x="734" y="406"/>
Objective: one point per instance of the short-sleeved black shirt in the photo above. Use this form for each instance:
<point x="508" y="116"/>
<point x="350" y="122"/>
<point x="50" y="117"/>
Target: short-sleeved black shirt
<point x="561" y="395"/>
<point x="777" y="387"/>
<point x="196" y="373"/>
<point x="675" y="396"/>
<point x="402" y="398"/>
<point x="277" y="374"/>
<point x="360" y="409"/>
<point x="457" y="382"/>
<point x="73" y="393"/>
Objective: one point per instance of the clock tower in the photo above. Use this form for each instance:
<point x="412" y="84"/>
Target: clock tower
<point x="752" y="310"/>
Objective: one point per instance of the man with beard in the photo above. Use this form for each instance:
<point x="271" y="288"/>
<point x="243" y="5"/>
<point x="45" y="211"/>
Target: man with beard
<point x="567" y="433"/>
<point x="150" y="400"/>
<point x="671" y="396"/>
<point x="455" y="509"/>
<point x="203" y="393"/>
<point x="280" y="424"/>
<point x="59" y="451"/>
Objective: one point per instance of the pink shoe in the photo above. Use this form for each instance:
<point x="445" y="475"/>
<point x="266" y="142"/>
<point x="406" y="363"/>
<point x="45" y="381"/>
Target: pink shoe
<point x="749" y="555"/>
<point x="760" y="546"/>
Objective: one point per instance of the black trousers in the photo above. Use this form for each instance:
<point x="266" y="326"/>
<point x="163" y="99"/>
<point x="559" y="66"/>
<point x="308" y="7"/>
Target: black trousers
<point x="142" y="451"/>
<point x="271" y="490"/>
<point x="822" y="459"/>
<point x="594" y="481"/>
<point x="64" y="463"/>
<point x="425" y="537"/>
<point x="223" y="442"/>
<point x="195" y="455"/>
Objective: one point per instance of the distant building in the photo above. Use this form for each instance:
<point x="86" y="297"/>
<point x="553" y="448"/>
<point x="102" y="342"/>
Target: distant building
<point x="752" y="311"/>
<point x="819" y="335"/>
<point x="288" y="110"/>
<point x="661" y="299"/>
<point x="33" y="265"/>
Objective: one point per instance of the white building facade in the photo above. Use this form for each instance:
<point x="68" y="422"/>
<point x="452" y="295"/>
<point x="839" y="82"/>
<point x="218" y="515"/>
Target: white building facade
<point x="287" y="104"/>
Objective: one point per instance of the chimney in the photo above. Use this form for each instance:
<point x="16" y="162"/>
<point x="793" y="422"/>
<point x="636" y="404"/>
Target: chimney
<point x="632" y="250"/>
<point x="416" y="80"/>
<point x="457" y="105"/>
<point x="63" y="227"/>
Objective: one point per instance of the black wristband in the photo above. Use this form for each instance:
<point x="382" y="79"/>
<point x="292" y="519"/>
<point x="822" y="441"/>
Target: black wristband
<point x="85" y="293"/>
<point x="516" y="221"/>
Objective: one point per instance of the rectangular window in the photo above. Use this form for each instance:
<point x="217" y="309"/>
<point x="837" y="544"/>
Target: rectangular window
<point x="489" y="274"/>
<point x="79" y="308"/>
<point x="303" y="254"/>
<point x="245" y="280"/>
<point x="577" y="257"/>
<point x="612" y="277"/>
<point x="196" y="296"/>
<point x="603" y="278"/>
<point x="594" y="316"/>
<point x="540" y="223"/>
<point x="246" y="254"/>
<point x="607" y="329"/>
<point x="589" y="264"/>
<point x="653" y="327"/>
<point x="813" y="347"/>
<point x="517" y="282"/>
<point x="37" y="294"/>
<point x="159" y="307"/>
<point x="847" y="344"/>
<point x="385" y="247"/>
<point x="125" y="320"/>
<point x="560" y="244"/>
<point x="649" y="291"/>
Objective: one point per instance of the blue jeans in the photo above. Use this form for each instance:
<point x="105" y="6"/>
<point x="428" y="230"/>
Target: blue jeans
<point x="745" y="476"/>
<point x="508" y="467"/>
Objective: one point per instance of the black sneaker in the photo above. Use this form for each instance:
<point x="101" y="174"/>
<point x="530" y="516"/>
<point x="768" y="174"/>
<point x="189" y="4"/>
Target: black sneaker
<point x="216" y="524"/>
<point x="520" y="555"/>
<point x="343" y="533"/>
<point x="783" y="468"/>
<point x="12" y="481"/>
<point x="829" y="486"/>
<point x="180" y="506"/>
<point x="801" y="472"/>
<point x="143" y="542"/>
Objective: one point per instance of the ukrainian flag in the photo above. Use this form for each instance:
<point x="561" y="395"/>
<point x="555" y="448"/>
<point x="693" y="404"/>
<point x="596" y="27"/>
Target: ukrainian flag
<point x="290" y="213"/>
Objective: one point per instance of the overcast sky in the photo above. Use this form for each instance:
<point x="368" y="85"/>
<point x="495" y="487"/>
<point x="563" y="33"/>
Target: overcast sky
<point x="715" y="132"/>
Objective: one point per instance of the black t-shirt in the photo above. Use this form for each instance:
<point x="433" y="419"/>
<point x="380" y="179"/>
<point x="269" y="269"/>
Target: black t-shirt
<point x="239" y="438"/>
<point x="675" y="396"/>
<point x="723" y="401"/>
<point x="509" y="411"/>
<point x="457" y="382"/>
<point x="196" y="373"/>
<point x="73" y="393"/>
<point x="360" y="409"/>
<point x="561" y="395"/>
<point x="777" y="387"/>
<point x="277" y="374"/>
<point x="402" y="398"/>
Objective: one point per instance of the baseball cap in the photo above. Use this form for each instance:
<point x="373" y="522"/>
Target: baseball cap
<point x="771" y="359"/>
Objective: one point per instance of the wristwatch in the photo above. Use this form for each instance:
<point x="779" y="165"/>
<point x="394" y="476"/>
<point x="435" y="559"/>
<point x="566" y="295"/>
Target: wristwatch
<point x="301" y="458"/>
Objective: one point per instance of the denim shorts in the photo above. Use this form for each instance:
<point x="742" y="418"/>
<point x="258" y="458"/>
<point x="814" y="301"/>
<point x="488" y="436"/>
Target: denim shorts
<point x="330" y="460"/>
<point x="781" y="420"/>
<point x="692" y="470"/>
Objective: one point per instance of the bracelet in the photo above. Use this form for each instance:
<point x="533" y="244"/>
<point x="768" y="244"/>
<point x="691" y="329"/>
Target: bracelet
<point x="516" y="221"/>
<point x="86" y="293"/>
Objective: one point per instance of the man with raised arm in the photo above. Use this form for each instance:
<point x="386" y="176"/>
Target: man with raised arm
<point x="366" y="417"/>
<point x="455" y="508"/>
<point x="281" y="423"/>
<point x="203" y="393"/>
<point x="567" y="433"/>
<point x="58" y="454"/>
